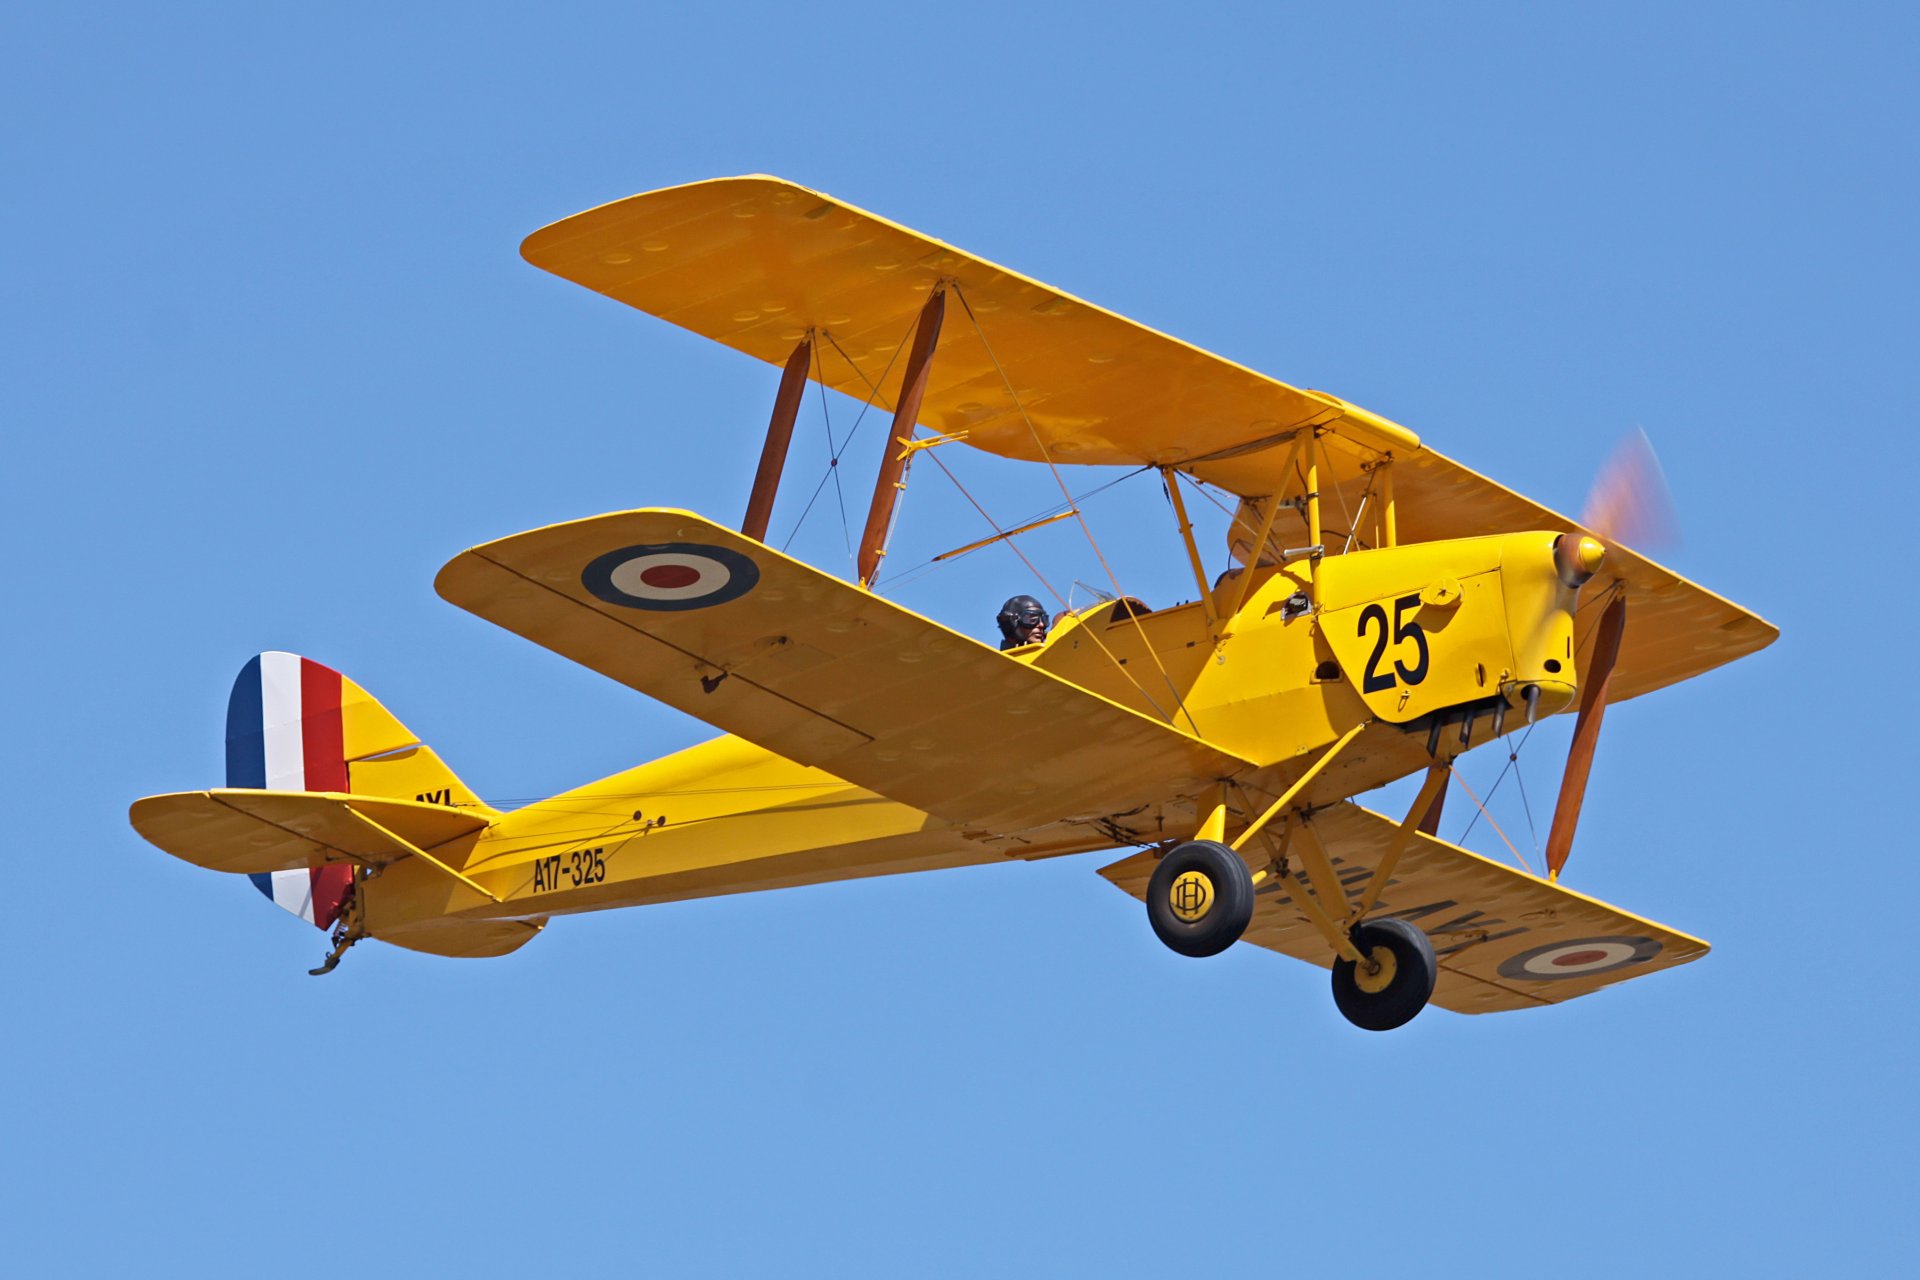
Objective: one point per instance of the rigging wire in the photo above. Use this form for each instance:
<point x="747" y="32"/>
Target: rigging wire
<point x="994" y="525"/>
<point x="1046" y="456"/>
<point x="1533" y="832"/>
<point x="1513" y="757"/>
<point x="837" y="450"/>
<point x="1490" y="822"/>
<point x="1340" y="493"/>
<point x="1359" y="514"/>
<point x="1205" y="489"/>
<point x="1513" y="760"/>
<point x="871" y="387"/>
<point x="833" y="452"/>
<point x="1065" y="603"/>
<point x="922" y="569"/>
<point x="833" y="457"/>
<point x="833" y="460"/>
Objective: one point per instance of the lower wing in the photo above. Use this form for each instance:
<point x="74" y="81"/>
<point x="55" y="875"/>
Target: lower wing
<point x="826" y="673"/>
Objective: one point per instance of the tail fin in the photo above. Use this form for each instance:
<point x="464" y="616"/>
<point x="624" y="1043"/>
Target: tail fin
<point x="296" y="725"/>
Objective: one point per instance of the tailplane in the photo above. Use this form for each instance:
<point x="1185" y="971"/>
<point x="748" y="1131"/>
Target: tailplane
<point x="294" y="724"/>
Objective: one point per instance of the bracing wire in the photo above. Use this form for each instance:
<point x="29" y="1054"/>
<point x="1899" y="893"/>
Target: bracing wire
<point x="833" y="460"/>
<point x="1053" y="591"/>
<point x="1513" y="760"/>
<point x="995" y="526"/>
<point x="1517" y="857"/>
<point x="922" y="569"/>
<point x="1046" y="456"/>
<point x="833" y="453"/>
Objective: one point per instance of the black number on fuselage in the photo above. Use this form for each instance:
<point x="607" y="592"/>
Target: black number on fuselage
<point x="1401" y="630"/>
<point x="1405" y="628"/>
<point x="1372" y="681"/>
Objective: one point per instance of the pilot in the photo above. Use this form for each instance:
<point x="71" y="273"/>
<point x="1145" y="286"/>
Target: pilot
<point x="1022" y="621"/>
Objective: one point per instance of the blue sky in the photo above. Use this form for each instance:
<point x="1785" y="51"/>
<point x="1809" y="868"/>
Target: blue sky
<point x="271" y="357"/>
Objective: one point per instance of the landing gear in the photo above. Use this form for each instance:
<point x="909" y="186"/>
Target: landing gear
<point x="1395" y="982"/>
<point x="1200" y="899"/>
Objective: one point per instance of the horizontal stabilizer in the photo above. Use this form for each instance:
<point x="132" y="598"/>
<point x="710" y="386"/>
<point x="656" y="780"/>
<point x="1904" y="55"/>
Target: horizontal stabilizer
<point x="253" y="832"/>
<point x="1505" y="939"/>
<point x="825" y="673"/>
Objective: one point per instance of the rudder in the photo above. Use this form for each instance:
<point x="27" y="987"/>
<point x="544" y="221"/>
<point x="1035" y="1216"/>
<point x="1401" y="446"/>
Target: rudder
<point x="294" y="724"/>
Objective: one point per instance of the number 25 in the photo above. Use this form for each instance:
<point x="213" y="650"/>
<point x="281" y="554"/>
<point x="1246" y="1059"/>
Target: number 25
<point x="1375" y="680"/>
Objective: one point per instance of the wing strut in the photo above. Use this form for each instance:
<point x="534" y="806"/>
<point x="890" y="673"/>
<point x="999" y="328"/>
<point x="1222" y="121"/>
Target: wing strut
<point x="893" y="462"/>
<point x="1586" y="734"/>
<point x="773" y="455"/>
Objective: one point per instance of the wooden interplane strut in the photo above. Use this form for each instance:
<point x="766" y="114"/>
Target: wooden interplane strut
<point x="906" y="413"/>
<point x="773" y="455"/>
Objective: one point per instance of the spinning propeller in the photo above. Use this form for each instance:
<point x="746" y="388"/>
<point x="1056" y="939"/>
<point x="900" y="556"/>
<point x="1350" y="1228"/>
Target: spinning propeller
<point x="1629" y="501"/>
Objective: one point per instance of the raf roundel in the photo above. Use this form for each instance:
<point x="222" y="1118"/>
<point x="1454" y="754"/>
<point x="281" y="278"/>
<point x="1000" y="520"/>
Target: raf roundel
<point x="1582" y="959"/>
<point x="670" y="576"/>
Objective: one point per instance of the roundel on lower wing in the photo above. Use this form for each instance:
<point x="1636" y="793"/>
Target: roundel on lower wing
<point x="670" y="575"/>
<point x="1580" y="959"/>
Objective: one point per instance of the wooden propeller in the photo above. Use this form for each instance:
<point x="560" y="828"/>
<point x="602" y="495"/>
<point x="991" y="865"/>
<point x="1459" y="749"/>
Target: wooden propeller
<point x="1586" y="734"/>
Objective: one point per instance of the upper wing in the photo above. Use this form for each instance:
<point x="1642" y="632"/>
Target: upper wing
<point x="756" y="262"/>
<point x="249" y="831"/>
<point x="825" y="673"/>
<point x="1505" y="939"/>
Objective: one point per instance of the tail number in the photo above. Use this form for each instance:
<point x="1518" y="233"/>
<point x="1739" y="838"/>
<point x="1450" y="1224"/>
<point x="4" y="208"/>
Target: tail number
<point x="1403" y="629"/>
<point x="580" y="867"/>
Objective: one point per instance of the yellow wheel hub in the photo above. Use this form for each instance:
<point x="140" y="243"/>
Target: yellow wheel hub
<point x="1191" y="896"/>
<point x="1384" y="968"/>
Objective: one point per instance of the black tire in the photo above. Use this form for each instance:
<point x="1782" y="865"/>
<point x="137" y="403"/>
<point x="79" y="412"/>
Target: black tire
<point x="1216" y="892"/>
<point x="1408" y="987"/>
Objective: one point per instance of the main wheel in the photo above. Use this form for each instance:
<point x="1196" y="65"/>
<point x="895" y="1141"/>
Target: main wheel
<point x="1400" y="983"/>
<point x="1200" y="899"/>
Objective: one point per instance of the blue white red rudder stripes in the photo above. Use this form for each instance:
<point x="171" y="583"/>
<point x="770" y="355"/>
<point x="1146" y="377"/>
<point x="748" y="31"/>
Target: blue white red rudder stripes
<point x="284" y="733"/>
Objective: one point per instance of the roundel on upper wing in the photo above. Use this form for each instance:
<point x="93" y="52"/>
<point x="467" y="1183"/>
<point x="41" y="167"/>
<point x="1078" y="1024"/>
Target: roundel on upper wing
<point x="1580" y="959"/>
<point x="670" y="575"/>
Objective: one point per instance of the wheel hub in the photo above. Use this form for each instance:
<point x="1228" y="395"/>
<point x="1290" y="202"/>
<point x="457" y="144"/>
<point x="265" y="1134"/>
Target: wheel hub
<point x="1377" y="974"/>
<point x="1191" y="896"/>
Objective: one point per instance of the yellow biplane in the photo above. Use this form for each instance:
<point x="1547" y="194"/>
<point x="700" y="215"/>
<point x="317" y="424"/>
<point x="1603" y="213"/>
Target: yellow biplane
<point x="1386" y="610"/>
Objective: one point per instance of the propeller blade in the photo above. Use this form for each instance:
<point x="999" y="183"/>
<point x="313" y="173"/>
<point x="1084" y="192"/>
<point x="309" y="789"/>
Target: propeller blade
<point x="1586" y="735"/>
<point x="1630" y="503"/>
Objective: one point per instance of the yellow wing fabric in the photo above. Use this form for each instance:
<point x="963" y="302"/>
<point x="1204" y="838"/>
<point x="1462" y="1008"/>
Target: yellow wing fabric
<point x="248" y="831"/>
<point x="1505" y="939"/>
<point x="825" y="673"/>
<point x="756" y="263"/>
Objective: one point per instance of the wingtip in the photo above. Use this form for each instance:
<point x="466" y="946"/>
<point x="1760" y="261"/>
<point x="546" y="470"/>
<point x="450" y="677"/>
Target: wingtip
<point x="532" y="247"/>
